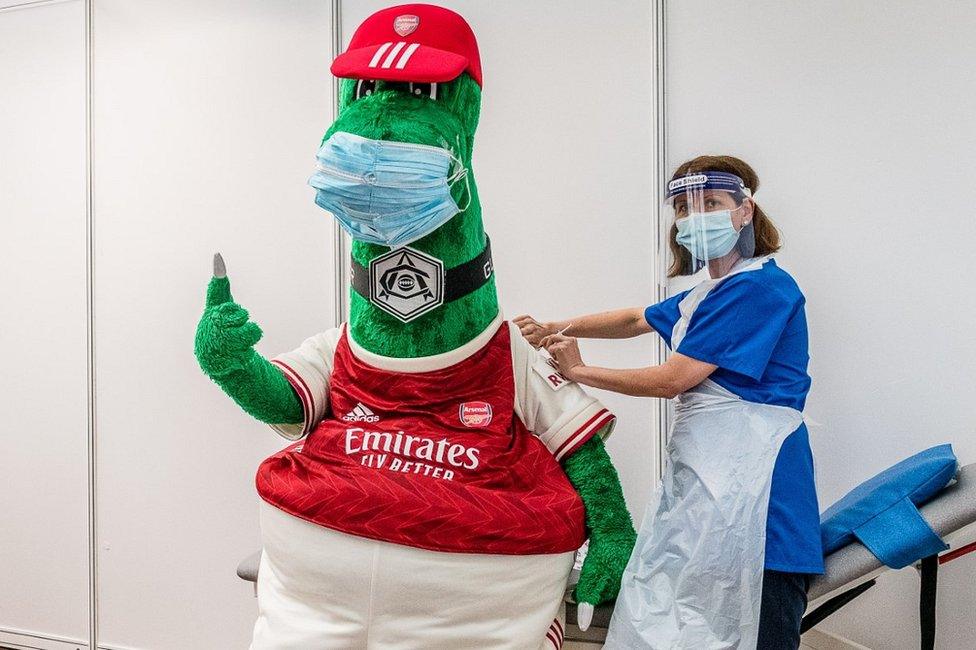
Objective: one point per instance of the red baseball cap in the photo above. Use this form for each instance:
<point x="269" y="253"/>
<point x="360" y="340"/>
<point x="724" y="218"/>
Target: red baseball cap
<point x="415" y="42"/>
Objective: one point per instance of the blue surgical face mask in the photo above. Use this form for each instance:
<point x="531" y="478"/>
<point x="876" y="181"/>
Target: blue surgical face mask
<point x="384" y="192"/>
<point x="707" y="235"/>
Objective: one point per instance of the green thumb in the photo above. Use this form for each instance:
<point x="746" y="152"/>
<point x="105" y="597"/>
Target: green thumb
<point x="218" y="291"/>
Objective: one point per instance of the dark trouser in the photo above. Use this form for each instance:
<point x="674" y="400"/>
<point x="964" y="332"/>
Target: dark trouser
<point x="784" y="599"/>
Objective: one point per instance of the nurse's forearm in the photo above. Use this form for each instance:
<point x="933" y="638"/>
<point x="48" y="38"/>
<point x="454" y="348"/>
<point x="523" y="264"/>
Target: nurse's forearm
<point x="667" y="380"/>
<point x="639" y="382"/>
<point x="617" y="324"/>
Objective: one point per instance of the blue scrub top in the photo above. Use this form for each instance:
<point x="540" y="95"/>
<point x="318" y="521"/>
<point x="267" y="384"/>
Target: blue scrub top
<point x="753" y="326"/>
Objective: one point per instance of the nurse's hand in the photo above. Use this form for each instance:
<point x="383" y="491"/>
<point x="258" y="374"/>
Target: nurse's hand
<point x="565" y="351"/>
<point x="533" y="330"/>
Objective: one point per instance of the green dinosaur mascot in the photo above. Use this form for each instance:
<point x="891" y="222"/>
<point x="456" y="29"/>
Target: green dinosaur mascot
<point x="444" y="473"/>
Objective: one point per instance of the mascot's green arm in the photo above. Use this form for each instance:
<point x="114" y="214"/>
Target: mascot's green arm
<point x="224" y="347"/>
<point x="612" y="535"/>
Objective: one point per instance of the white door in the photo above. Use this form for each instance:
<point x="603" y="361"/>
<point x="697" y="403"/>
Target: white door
<point x="44" y="399"/>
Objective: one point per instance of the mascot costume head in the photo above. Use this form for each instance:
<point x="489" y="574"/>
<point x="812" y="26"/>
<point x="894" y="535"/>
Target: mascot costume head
<point x="443" y="474"/>
<point x="412" y="75"/>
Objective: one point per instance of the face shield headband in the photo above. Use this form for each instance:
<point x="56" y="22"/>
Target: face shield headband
<point x="691" y="183"/>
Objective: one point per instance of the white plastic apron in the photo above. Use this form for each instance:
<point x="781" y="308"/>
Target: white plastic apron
<point x="695" y="577"/>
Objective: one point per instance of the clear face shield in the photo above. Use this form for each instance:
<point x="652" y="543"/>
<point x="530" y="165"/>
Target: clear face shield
<point x="710" y="216"/>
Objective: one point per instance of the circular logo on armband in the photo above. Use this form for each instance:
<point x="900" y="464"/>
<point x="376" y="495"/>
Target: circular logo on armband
<point x="406" y="283"/>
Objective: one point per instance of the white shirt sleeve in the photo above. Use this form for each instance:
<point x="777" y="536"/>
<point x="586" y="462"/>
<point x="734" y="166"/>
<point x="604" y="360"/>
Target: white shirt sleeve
<point x="308" y="369"/>
<point x="555" y="409"/>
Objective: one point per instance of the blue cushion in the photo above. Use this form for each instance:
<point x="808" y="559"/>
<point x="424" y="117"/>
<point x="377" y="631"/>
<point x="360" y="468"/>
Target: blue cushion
<point x="882" y="512"/>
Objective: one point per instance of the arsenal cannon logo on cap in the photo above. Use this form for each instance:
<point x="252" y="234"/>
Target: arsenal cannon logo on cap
<point x="405" y="24"/>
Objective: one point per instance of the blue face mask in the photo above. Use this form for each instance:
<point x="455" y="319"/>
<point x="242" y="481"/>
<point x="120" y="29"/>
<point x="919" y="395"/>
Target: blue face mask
<point x="707" y="235"/>
<point x="384" y="192"/>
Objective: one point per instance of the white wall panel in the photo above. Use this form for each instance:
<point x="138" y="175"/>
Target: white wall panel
<point x="207" y="119"/>
<point x="563" y="158"/>
<point x="43" y="433"/>
<point x="858" y="119"/>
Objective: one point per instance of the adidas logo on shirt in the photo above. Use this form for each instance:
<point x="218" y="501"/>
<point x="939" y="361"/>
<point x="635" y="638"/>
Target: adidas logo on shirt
<point x="360" y="414"/>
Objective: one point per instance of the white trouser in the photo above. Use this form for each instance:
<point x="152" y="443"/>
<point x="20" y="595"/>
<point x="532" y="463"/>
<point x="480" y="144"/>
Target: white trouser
<point x="319" y="588"/>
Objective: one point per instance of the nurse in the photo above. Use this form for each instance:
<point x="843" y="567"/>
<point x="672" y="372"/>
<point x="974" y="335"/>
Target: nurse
<point x="731" y="537"/>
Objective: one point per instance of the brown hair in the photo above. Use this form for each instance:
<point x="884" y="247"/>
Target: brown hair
<point x="767" y="237"/>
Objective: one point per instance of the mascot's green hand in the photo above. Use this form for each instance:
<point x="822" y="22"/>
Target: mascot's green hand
<point x="612" y="534"/>
<point x="602" y="570"/>
<point x="224" y="347"/>
<point x="225" y="337"/>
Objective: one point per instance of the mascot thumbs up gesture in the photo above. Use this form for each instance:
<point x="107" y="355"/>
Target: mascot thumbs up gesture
<point x="443" y="473"/>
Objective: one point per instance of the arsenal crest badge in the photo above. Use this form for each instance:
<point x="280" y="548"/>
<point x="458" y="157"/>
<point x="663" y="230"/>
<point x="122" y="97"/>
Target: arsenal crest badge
<point x="406" y="283"/>
<point x="475" y="414"/>
<point x="405" y="24"/>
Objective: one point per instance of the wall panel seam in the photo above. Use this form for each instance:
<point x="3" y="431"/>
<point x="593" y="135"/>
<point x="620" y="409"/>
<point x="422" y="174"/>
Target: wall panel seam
<point x="659" y="8"/>
<point x="90" y="326"/>
<point x="339" y="238"/>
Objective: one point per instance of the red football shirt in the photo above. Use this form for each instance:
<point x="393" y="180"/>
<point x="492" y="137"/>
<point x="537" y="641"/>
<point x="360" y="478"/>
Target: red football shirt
<point x="436" y="459"/>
